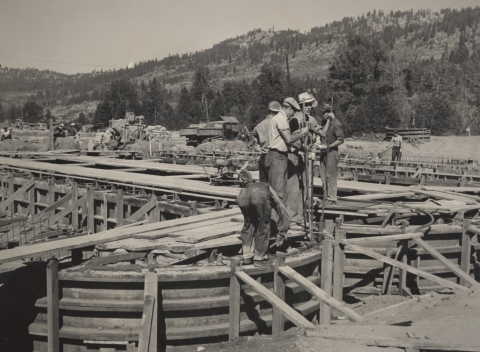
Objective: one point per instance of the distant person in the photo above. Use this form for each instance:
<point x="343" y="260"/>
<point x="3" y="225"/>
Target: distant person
<point x="468" y="131"/>
<point x="396" y="142"/>
<point x="72" y="131"/>
<point x="6" y="133"/>
<point x="261" y="136"/>
<point x="59" y="131"/>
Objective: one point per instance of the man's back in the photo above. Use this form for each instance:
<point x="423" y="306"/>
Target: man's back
<point x="262" y="133"/>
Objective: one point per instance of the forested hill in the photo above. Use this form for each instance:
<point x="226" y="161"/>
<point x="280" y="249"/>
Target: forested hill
<point x="413" y="42"/>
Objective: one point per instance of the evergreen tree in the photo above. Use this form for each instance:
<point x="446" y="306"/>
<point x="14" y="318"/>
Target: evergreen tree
<point x="32" y="112"/>
<point x="2" y="113"/>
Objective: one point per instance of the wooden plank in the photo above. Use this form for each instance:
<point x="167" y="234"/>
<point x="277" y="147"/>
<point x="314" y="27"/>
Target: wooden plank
<point x="338" y="263"/>
<point x="400" y="342"/>
<point x="74" y="210"/>
<point x="320" y="294"/>
<point x="146" y="329"/>
<point x="234" y="302"/>
<point x="448" y="196"/>
<point x="448" y="264"/>
<point x="378" y="196"/>
<point x="369" y="240"/>
<point x="289" y="313"/>
<point x="209" y="235"/>
<point x="114" y="258"/>
<point x="151" y="289"/>
<point x="29" y="184"/>
<point x="404" y="266"/>
<point x="90" y="211"/>
<point x="119" y="208"/>
<point x="107" y="236"/>
<point x="53" y="312"/>
<point x="278" y="324"/>
<point x="466" y="253"/>
<point x="436" y="229"/>
<point x="325" y="314"/>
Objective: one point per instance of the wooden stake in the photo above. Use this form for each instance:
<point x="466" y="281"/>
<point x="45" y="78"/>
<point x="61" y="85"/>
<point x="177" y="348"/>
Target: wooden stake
<point x="326" y="280"/>
<point x="279" y="285"/>
<point x="234" y="308"/>
<point x="53" y="313"/>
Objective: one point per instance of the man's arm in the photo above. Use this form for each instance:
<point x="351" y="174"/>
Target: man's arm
<point x="289" y="138"/>
<point x="318" y="130"/>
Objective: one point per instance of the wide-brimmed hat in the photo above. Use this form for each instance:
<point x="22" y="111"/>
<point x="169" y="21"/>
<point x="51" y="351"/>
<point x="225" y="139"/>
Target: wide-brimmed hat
<point x="307" y="98"/>
<point x="274" y="106"/>
<point x="292" y="102"/>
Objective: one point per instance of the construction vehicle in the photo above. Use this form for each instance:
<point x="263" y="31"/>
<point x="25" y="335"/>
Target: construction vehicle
<point x="228" y="173"/>
<point x="132" y="127"/>
<point x="227" y="128"/>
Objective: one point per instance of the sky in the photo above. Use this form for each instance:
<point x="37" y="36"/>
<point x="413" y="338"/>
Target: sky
<point x="81" y="36"/>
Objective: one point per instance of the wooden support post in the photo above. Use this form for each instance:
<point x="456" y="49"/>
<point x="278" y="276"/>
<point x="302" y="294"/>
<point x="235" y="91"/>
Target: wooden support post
<point x="90" y="210"/>
<point x="193" y="204"/>
<point x="326" y="280"/>
<point x="119" y="207"/>
<point x="11" y="185"/>
<point x="151" y="289"/>
<point x="466" y="250"/>
<point x="338" y="263"/>
<point x="279" y="289"/>
<point x="53" y="312"/>
<point x="402" y="276"/>
<point x="147" y="320"/>
<point x="104" y="211"/>
<point x="31" y="201"/>
<point x="51" y="190"/>
<point x="234" y="309"/>
<point x="74" y="211"/>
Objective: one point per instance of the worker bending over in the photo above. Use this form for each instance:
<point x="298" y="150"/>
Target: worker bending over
<point x="396" y="142"/>
<point x="261" y="135"/>
<point x="6" y="133"/>
<point x="280" y="137"/>
<point x="296" y="184"/>
<point x="329" y="154"/>
<point x="256" y="200"/>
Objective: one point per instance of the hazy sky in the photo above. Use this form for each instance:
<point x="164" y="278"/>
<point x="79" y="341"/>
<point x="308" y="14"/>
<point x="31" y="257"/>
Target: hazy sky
<point x="72" y="36"/>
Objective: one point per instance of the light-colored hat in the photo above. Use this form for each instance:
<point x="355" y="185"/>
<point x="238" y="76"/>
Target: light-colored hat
<point x="292" y="102"/>
<point x="274" y="106"/>
<point x="307" y="98"/>
<point x="61" y="125"/>
<point x="72" y="124"/>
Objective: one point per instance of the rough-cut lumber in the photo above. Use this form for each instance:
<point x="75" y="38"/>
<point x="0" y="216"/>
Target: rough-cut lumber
<point x="377" y="196"/>
<point x="146" y="330"/>
<point x="448" y="196"/>
<point x="325" y="314"/>
<point x="367" y="240"/>
<point x="289" y="313"/>
<point x="278" y="323"/>
<point x="393" y="230"/>
<point x="114" y="258"/>
<point x="404" y="266"/>
<point x="320" y="294"/>
<point x="234" y="302"/>
<point x="53" y="312"/>
<point x="107" y="236"/>
<point x="29" y="184"/>
<point x="151" y="289"/>
<point x="395" y="307"/>
<point x="454" y="268"/>
<point x="209" y="234"/>
<point x="400" y="342"/>
<point x="143" y="210"/>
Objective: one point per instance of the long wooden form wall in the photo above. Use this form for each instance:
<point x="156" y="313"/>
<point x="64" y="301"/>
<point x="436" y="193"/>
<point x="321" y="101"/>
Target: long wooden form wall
<point x="108" y="207"/>
<point x="104" y="309"/>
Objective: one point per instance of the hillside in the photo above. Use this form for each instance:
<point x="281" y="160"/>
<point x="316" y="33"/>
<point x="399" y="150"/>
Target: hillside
<point x="412" y="36"/>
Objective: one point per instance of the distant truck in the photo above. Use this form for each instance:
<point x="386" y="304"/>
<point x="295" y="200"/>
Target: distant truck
<point x="226" y="128"/>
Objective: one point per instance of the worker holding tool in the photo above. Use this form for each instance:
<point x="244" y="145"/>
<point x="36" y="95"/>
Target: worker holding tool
<point x="280" y="137"/>
<point x="261" y="135"/>
<point x="256" y="200"/>
<point x="296" y="183"/>
<point x="396" y="142"/>
<point x="329" y="153"/>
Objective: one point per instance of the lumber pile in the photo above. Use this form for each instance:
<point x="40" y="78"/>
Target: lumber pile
<point x="158" y="133"/>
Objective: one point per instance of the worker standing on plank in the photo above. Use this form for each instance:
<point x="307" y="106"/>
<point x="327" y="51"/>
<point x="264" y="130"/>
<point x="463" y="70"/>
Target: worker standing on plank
<point x="261" y="135"/>
<point x="296" y="183"/>
<point x="256" y="200"/>
<point x="280" y="137"/>
<point x="397" y="142"/>
<point x="329" y="161"/>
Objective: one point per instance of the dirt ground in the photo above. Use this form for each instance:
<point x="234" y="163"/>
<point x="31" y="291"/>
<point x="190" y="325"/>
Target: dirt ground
<point x="447" y="316"/>
<point x="450" y="147"/>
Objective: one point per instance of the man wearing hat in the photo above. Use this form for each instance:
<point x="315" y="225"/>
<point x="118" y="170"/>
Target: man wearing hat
<point x="261" y="135"/>
<point x="396" y="146"/>
<point x="330" y="156"/>
<point x="280" y="138"/>
<point x="296" y="184"/>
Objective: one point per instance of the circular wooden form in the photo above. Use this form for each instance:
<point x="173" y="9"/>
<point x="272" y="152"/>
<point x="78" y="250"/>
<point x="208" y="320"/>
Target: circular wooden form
<point x="103" y="309"/>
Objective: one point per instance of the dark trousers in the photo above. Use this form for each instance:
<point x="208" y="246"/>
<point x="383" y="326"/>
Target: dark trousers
<point x="255" y="203"/>
<point x="396" y="154"/>
<point x="329" y="173"/>
<point x="276" y="163"/>
<point x="296" y="188"/>
<point x="262" y="169"/>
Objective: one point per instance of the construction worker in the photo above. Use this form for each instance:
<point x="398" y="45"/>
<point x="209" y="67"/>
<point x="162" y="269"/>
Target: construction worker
<point x="261" y="136"/>
<point x="329" y="153"/>
<point x="59" y="131"/>
<point x="280" y="137"/>
<point x="256" y="200"/>
<point x="6" y="133"/>
<point x="296" y="184"/>
<point x="396" y="142"/>
<point x="72" y="131"/>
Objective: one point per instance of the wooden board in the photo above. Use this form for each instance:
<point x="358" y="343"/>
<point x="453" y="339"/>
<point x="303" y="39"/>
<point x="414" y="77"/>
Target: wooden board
<point x="106" y="236"/>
